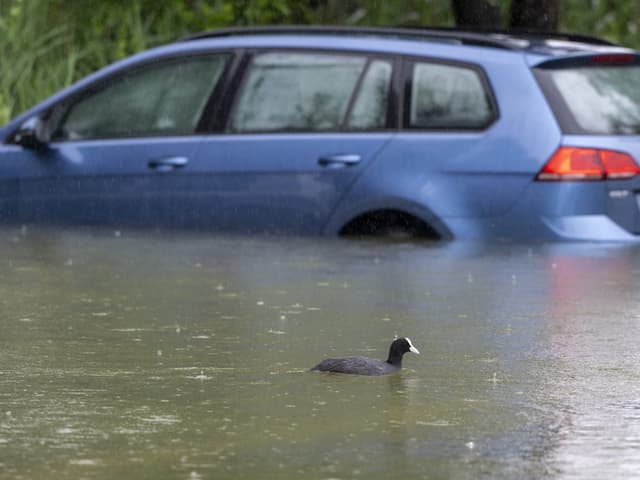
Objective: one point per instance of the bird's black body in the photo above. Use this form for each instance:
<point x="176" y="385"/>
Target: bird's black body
<point x="369" y="366"/>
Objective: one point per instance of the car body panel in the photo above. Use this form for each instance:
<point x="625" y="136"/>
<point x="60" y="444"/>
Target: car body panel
<point x="456" y="174"/>
<point x="108" y="182"/>
<point x="277" y="183"/>
<point x="478" y="183"/>
<point x="621" y="196"/>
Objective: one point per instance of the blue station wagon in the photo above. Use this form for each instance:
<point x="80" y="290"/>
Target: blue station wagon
<point x="441" y="134"/>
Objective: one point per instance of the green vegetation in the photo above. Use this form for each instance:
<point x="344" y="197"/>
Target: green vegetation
<point x="48" y="44"/>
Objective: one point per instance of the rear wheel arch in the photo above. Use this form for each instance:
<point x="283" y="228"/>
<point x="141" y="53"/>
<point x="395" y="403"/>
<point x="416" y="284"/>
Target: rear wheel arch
<point x="389" y="223"/>
<point x="389" y="218"/>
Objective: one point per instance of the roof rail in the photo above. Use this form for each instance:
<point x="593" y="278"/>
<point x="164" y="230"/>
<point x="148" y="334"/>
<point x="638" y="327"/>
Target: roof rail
<point x="504" y="39"/>
<point x="531" y="35"/>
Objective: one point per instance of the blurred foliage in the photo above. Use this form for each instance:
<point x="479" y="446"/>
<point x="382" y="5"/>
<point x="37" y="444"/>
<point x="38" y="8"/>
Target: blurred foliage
<point x="48" y="44"/>
<point x="615" y="20"/>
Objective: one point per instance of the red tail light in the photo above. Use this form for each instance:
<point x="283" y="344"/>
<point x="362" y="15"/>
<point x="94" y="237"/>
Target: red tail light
<point x="575" y="163"/>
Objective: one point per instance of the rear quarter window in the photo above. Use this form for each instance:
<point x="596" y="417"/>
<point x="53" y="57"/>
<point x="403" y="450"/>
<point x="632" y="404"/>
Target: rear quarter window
<point x="447" y="96"/>
<point x="601" y="100"/>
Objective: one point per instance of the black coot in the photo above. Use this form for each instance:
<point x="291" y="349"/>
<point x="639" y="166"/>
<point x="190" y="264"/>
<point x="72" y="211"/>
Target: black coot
<point x="369" y="366"/>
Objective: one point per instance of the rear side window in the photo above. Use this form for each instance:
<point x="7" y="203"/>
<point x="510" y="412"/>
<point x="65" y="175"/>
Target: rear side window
<point x="165" y="98"/>
<point x="298" y="91"/>
<point x="596" y="99"/>
<point x="448" y="97"/>
<point x="370" y="107"/>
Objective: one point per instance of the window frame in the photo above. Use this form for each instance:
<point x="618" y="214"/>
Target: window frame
<point x="217" y="112"/>
<point x="568" y="124"/>
<point x="209" y="110"/>
<point x="242" y="74"/>
<point x="409" y="63"/>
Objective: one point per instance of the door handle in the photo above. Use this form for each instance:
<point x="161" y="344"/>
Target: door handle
<point x="339" y="160"/>
<point x="166" y="164"/>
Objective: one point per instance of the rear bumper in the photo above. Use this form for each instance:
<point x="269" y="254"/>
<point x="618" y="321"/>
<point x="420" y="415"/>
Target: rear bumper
<point x="588" y="228"/>
<point x="562" y="211"/>
<point x="581" y="228"/>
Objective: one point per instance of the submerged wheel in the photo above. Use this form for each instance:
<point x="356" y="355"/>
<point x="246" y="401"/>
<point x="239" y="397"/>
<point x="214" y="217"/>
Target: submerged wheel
<point x="389" y="223"/>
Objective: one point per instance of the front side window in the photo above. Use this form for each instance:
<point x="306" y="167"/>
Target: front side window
<point x="292" y="91"/>
<point x="448" y="97"/>
<point x="161" y="99"/>
<point x="600" y="99"/>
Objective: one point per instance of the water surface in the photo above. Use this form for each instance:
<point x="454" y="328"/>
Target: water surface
<point x="139" y="355"/>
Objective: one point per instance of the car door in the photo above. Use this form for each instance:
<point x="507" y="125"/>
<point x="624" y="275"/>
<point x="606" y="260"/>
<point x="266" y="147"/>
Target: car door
<point x="303" y="126"/>
<point x="117" y="149"/>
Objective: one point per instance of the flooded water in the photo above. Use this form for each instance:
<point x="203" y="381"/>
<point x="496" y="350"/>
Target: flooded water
<point x="132" y="355"/>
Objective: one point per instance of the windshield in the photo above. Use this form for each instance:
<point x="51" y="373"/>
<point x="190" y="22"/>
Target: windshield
<point x="599" y="100"/>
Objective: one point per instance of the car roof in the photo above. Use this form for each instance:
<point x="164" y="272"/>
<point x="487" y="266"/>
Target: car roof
<point x="540" y="43"/>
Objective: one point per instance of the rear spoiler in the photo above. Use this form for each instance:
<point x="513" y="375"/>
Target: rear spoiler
<point x="593" y="59"/>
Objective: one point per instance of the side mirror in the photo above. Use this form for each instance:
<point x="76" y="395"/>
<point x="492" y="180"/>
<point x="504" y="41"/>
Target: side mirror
<point x="32" y="134"/>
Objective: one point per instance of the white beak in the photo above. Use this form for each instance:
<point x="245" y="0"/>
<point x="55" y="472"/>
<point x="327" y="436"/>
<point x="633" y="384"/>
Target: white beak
<point x="412" y="348"/>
